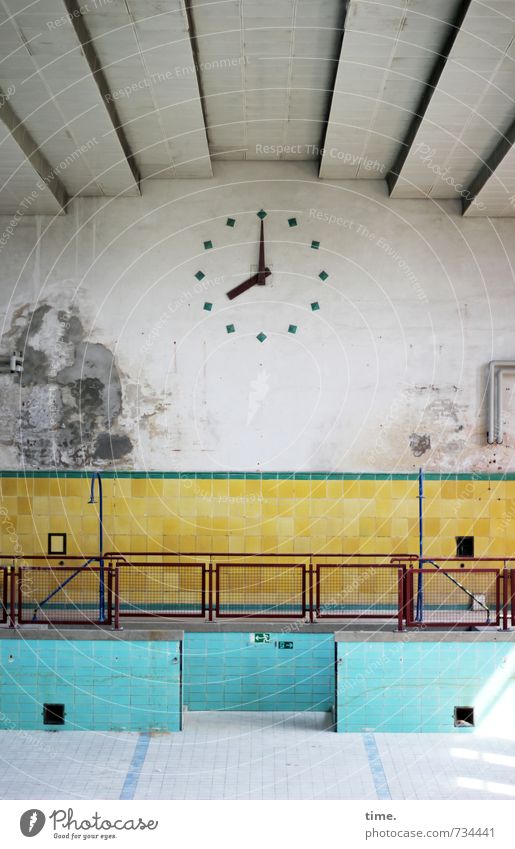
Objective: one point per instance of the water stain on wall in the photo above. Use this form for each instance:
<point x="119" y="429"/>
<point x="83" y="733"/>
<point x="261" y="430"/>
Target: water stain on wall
<point x="70" y="393"/>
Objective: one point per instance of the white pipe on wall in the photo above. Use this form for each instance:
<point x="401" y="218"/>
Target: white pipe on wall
<point x="496" y="370"/>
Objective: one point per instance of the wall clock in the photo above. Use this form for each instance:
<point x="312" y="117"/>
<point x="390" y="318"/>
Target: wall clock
<point x="260" y="277"/>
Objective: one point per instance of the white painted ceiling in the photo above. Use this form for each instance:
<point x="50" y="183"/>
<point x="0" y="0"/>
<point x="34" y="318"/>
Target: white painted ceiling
<point x="388" y="52"/>
<point x="57" y="100"/>
<point x="102" y="94"/>
<point x="470" y="110"/>
<point x="267" y="72"/>
<point x="146" y="54"/>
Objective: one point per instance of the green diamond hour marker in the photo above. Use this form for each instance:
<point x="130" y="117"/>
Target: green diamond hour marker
<point x="315" y="306"/>
<point x="261" y="336"/>
<point x="315" y="245"/>
<point x="208" y="306"/>
<point x="230" y="328"/>
<point x="200" y="275"/>
<point x="208" y="244"/>
<point x="323" y="275"/>
<point x="292" y="222"/>
<point x="262" y="214"/>
<point x="292" y="328"/>
<point x="230" y="222"/>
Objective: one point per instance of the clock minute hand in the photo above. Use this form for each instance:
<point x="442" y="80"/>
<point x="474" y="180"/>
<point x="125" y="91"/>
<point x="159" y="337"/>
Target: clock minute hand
<point x="261" y="266"/>
<point x="247" y="284"/>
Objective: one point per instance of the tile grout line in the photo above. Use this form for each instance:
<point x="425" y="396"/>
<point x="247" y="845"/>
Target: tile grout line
<point x="136" y="765"/>
<point x="376" y="767"/>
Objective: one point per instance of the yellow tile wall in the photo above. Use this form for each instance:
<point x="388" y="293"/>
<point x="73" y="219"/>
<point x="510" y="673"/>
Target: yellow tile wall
<point x="334" y="516"/>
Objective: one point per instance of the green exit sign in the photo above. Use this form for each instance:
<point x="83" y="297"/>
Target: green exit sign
<point x="261" y="638"/>
<point x="285" y="644"/>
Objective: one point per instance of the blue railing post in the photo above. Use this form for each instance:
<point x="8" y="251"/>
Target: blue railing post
<point x="420" y="589"/>
<point x="101" y="597"/>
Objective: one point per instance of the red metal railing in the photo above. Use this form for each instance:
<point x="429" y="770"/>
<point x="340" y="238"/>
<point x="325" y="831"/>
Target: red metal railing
<point x="162" y="589"/>
<point x="4" y="577"/>
<point x="452" y="597"/>
<point x="261" y="590"/>
<point x="281" y="587"/>
<point x="367" y="591"/>
<point x="463" y="562"/>
<point x="64" y="595"/>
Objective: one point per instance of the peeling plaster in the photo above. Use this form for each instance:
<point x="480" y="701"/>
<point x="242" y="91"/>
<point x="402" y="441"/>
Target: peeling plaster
<point x="70" y="393"/>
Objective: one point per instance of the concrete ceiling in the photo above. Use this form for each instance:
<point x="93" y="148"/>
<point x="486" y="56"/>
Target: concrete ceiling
<point x="23" y="189"/>
<point x="100" y="95"/>
<point x="147" y="58"/>
<point x="58" y="100"/>
<point x="267" y="69"/>
<point x="467" y="113"/>
<point x="388" y="52"/>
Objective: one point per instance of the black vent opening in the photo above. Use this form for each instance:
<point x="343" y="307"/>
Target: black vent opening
<point x="464" y="717"/>
<point x="53" y="714"/>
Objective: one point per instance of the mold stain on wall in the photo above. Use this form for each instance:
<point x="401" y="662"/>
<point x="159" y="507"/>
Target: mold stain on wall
<point x="69" y="396"/>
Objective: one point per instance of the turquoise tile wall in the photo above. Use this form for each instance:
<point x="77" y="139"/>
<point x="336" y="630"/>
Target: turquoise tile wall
<point x="105" y="685"/>
<point x="229" y="672"/>
<point x="415" y="686"/>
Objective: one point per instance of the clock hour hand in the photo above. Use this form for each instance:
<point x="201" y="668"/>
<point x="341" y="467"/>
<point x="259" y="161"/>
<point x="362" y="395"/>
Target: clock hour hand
<point x="247" y="284"/>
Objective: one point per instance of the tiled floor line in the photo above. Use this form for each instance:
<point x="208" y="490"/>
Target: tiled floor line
<point x="136" y="765"/>
<point x="253" y="755"/>
<point x="376" y="767"/>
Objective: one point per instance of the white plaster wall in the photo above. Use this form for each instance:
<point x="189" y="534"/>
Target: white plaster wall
<point x="394" y="359"/>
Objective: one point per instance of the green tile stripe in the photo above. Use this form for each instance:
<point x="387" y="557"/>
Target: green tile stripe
<point x="295" y="476"/>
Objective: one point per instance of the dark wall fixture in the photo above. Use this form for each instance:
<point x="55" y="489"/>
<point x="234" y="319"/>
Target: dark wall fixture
<point x="464" y="546"/>
<point x="56" y="544"/>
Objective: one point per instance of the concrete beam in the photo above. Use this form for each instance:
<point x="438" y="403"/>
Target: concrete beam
<point x="427" y="94"/>
<point x="487" y="170"/>
<point x="192" y="32"/>
<point x="81" y="31"/>
<point x="31" y="152"/>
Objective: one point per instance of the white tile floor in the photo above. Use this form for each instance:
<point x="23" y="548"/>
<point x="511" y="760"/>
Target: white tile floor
<point x="254" y="756"/>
